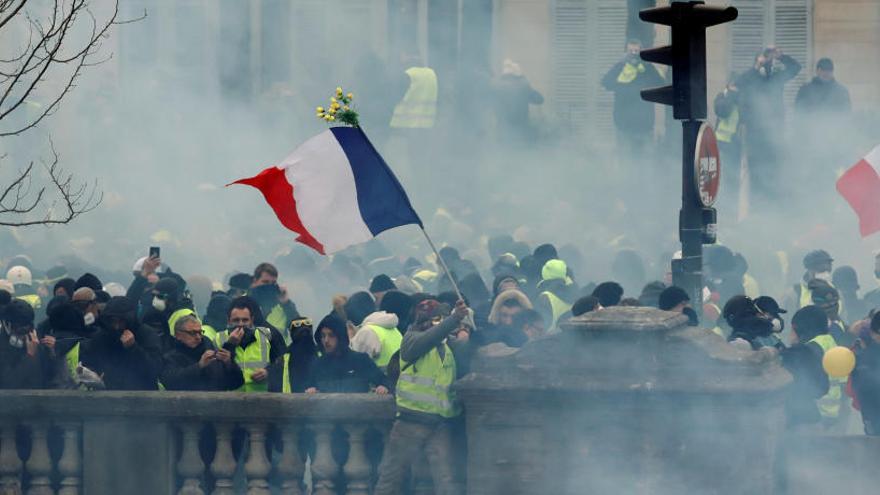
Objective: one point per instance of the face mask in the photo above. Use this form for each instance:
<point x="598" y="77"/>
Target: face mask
<point x="89" y="319"/>
<point x="778" y="325"/>
<point x="159" y="304"/>
<point x="826" y="276"/>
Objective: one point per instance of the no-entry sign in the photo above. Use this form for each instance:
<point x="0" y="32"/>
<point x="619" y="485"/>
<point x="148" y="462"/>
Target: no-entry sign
<point x="707" y="166"/>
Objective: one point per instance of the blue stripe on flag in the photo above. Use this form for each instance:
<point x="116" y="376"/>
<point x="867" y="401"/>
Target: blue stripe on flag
<point x="381" y="199"/>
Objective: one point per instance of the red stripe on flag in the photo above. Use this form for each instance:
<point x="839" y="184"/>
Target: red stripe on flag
<point x="279" y="194"/>
<point x="860" y="187"/>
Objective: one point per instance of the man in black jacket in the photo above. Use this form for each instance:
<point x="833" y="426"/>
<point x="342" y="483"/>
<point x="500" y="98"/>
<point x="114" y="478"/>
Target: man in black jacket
<point x="193" y="363"/>
<point x="340" y="369"/>
<point x="126" y="352"/>
<point x="26" y="361"/>
<point x="804" y="361"/>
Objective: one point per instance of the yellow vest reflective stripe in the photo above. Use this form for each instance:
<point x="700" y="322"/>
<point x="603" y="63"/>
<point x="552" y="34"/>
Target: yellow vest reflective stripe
<point x="251" y="358"/>
<point x="726" y="128"/>
<point x="425" y="386"/>
<point x="829" y="404"/>
<point x="32" y="299"/>
<point x="629" y="72"/>
<point x="390" y="339"/>
<point x="285" y="380"/>
<point x="418" y="108"/>
<point x="278" y="319"/>
<point x="72" y="359"/>
<point x="558" y="306"/>
<point x="180" y="313"/>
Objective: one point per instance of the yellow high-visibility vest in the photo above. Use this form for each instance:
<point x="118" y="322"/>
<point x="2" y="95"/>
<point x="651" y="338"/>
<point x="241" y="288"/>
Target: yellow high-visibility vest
<point x="726" y="128"/>
<point x="558" y="306"/>
<point x="829" y="404"/>
<point x="426" y="385"/>
<point x="251" y="358"/>
<point x="418" y="108"/>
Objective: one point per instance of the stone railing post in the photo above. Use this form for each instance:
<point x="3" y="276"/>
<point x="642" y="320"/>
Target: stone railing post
<point x="257" y="466"/>
<point x="10" y="464"/>
<point x="323" y="465"/>
<point x="40" y="464"/>
<point x="190" y="467"/>
<point x="70" y="463"/>
<point x="223" y="466"/>
<point x="291" y="465"/>
<point x="357" y="469"/>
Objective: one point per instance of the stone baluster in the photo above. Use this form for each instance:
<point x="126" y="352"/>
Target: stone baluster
<point x="10" y="464"/>
<point x="357" y="469"/>
<point x="40" y="464"/>
<point x="323" y="465"/>
<point x="257" y="466"/>
<point x="223" y="466"/>
<point x="70" y="463"/>
<point x="190" y="467"/>
<point x="291" y="465"/>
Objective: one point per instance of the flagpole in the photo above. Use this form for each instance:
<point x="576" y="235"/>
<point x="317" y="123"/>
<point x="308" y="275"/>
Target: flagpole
<point x="442" y="263"/>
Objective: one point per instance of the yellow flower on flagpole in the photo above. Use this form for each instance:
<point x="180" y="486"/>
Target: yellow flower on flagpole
<point x="340" y="109"/>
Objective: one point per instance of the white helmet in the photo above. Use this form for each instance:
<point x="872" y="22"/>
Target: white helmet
<point x="19" y="275"/>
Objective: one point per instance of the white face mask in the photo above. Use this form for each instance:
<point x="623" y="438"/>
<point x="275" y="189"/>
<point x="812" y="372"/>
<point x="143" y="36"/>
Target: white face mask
<point x="777" y="325"/>
<point x="158" y="304"/>
<point x="826" y="276"/>
<point x="89" y="319"/>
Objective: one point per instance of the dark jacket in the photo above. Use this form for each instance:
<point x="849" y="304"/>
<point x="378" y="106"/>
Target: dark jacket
<point x="513" y="95"/>
<point x="135" y="368"/>
<point x="182" y="371"/>
<point x="20" y="371"/>
<point x="344" y="371"/>
<point x="761" y="97"/>
<point x="631" y="113"/>
<point x="818" y="96"/>
<point x="303" y="352"/>
<point x="866" y="385"/>
<point x="804" y="362"/>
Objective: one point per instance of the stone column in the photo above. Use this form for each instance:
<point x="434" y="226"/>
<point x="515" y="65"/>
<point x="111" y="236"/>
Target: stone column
<point x="40" y="464"/>
<point x="291" y="465"/>
<point x="357" y="469"/>
<point x="257" y="466"/>
<point x="323" y="465"/>
<point x="70" y="464"/>
<point x="190" y="467"/>
<point x="10" y="464"/>
<point x="223" y="466"/>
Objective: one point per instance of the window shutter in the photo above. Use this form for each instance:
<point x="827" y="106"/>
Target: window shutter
<point x="793" y="33"/>
<point x="747" y="34"/>
<point x="588" y="38"/>
<point x="571" y="62"/>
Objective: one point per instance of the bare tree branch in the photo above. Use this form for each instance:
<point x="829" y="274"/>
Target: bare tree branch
<point x="62" y="37"/>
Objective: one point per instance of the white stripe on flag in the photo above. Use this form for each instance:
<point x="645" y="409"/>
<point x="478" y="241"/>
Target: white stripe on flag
<point x="873" y="159"/>
<point x="325" y="193"/>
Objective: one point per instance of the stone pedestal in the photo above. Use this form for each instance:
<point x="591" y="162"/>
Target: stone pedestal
<point x="624" y="400"/>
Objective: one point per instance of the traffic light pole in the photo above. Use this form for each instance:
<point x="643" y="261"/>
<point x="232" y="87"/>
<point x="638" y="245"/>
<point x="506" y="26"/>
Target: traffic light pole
<point x="689" y="275"/>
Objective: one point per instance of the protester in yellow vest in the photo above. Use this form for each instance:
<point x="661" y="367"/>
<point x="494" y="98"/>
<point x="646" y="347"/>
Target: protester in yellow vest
<point x="22" y="281"/>
<point x="259" y="351"/>
<point x="728" y="135"/>
<point x="418" y="108"/>
<point x="277" y="307"/>
<point x="812" y="396"/>
<point x="817" y="264"/>
<point x="430" y="361"/>
<point x="378" y="337"/>
<point x="554" y="292"/>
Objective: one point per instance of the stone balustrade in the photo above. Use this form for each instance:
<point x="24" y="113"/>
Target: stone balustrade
<point x="74" y="442"/>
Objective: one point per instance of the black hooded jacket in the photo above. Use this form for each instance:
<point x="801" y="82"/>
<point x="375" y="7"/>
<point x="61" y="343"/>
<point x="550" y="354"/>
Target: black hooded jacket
<point x="133" y="368"/>
<point x="344" y="371"/>
<point x="182" y="371"/>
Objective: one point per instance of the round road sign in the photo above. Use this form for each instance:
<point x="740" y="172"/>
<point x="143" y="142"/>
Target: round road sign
<point x="707" y="166"/>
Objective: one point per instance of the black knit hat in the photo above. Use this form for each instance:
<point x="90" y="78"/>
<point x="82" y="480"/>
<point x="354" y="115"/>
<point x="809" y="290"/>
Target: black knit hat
<point x="18" y="313"/>
<point x="672" y="297"/>
<point x="240" y="281"/>
<point x="90" y="281"/>
<point x="65" y="317"/>
<point x="359" y="306"/>
<point x="381" y="283"/>
<point x="168" y="286"/>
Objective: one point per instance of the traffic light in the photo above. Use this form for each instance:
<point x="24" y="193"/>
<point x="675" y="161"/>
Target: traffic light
<point x="686" y="55"/>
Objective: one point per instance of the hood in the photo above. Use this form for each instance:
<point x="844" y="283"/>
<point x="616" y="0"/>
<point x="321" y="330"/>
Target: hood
<point x="336" y="324"/>
<point x="382" y="319"/>
<point x="505" y="296"/>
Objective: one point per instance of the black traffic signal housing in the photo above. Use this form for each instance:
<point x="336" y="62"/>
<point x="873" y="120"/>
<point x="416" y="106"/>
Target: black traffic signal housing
<point x="686" y="55"/>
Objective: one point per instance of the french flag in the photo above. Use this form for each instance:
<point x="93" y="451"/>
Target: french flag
<point x="860" y="187"/>
<point x="335" y="191"/>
